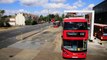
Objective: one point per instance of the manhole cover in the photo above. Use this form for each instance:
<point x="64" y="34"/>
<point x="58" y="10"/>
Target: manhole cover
<point x="11" y="56"/>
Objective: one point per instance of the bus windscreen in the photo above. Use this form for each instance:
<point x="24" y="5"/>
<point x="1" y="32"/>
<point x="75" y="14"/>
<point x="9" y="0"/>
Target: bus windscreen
<point x="75" y="26"/>
<point x="75" y="45"/>
<point x="105" y="31"/>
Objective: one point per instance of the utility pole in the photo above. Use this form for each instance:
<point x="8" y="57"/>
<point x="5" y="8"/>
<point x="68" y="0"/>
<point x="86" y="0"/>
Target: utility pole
<point x="48" y="15"/>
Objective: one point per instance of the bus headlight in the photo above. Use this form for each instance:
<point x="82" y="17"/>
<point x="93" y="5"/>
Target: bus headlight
<point x="101" y="37"/>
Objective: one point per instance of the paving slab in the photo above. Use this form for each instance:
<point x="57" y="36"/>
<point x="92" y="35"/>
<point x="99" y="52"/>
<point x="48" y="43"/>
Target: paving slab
<point x="7" y="53"/>
<point x="27" y="54"/>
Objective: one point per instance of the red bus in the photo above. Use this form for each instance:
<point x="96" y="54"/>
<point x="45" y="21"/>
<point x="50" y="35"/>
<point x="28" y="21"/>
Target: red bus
<point x="56" y="24"/>
<point x="100" y="31"/>
<point x="74" y="36"/>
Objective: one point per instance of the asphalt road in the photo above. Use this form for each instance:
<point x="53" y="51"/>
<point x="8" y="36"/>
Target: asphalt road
<point x="9" y="37"/>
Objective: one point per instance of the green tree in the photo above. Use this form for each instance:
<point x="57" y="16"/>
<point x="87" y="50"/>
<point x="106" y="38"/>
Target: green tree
<point x="57" y="17"/>
<point x="48" y="18"/>
<point x="41" y="17"/>
<point x="51" y="16"/>
<point x="34" y="22"/>
<point x="28" y="22"/>
<point x="1" y="13"/>
<point x="62" y="17"/>
<point x="4" y="19"/>
<point x="45" y="18"/>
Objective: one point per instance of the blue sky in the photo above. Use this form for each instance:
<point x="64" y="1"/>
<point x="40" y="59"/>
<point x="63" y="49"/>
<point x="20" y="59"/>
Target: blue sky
<point x="39" y="7"/>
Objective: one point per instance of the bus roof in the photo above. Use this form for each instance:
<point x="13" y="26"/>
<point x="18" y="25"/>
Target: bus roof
<point x="75" y="19"/>
<point x="101" y="25"/>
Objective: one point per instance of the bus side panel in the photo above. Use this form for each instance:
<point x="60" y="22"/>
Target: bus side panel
<point x="103" y="38"/>
<point x="98" y="32"/>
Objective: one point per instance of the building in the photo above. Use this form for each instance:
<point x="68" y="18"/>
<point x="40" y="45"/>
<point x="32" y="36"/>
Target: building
<point x="12" y="21"/>
<point x="30" y="16"/>
<point x="101" y="12"/>
<point x="20" y="19"/>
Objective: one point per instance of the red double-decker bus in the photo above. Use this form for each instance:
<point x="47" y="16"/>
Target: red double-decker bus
<point x="56" y="24"/>
<point x="74" y="36"/>
<point x="100" y="31"/>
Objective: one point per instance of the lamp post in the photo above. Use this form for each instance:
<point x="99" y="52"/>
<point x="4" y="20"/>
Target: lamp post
<point x="48" y="15"/>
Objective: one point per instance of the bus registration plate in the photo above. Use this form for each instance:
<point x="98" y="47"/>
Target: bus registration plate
<point x="74" y="57"/>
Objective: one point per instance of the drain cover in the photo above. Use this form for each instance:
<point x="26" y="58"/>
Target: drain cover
<point x="11" y="56"/>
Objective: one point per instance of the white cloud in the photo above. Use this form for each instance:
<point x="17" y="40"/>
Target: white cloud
<point x="67" y="6"/>
<point x="53" y="5"/>
<point x="59" y="6"/>
<point x="58" y="1"/>
<point x="89" y="7"/>
<point x="57" y="12"/>
<point x="42" y="12"/>
<point x="22" y="10"/>
<point x="75" y="5"/>
<point x="79" y="3"/>
<point x="56" y="7"/>
<point x="33" y="2"/>
<point x="7" y="1"/>
<point x="46" y="12"/>
<point x="13" y="12"/>
<point x="10" y="12"/>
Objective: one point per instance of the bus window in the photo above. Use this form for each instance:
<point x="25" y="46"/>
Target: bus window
<point x="75" y="25"/>
<point x="75" y="45"/>
<point x="96" y="28"/>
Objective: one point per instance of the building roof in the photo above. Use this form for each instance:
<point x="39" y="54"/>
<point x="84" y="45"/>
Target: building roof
<point x="101" y="7"/>
<point x="102" y="25"/>
<point x="79" y="19"/>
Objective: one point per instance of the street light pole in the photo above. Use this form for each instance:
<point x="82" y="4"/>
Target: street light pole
<point x="48" y="15"/>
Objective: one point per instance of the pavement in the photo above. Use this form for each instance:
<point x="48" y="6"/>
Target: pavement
<point x="97" y="41"/>
<point x="8" y="28"/>
<point x="46" y="45"/>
